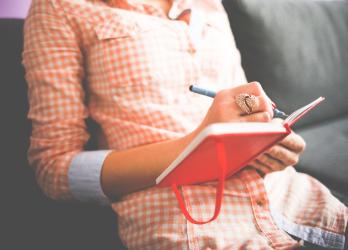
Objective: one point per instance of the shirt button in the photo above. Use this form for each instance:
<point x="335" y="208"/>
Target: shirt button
<point x="261" y="202"/>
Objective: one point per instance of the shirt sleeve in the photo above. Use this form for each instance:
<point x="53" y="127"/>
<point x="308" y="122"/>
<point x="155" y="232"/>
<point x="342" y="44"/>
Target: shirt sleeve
<point x="54" y="71"/>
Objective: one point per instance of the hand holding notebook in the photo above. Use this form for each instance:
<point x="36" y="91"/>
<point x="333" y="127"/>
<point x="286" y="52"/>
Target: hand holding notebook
<point x="222" y="149"/>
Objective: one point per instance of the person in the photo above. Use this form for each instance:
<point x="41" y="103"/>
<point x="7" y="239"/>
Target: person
<point x="128" y="64"/>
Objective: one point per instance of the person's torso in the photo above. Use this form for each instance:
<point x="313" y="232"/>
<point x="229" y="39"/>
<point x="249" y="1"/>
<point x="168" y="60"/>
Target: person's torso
<point x="140" y="63"/>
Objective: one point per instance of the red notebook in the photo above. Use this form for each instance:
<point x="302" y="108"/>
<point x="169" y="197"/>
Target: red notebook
<point x="221" y="150"/>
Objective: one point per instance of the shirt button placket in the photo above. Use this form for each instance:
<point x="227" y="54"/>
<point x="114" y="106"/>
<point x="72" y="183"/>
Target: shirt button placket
<point x="260" y="206"/>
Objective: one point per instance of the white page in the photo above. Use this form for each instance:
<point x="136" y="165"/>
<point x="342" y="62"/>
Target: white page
<point x="299" y="111"/>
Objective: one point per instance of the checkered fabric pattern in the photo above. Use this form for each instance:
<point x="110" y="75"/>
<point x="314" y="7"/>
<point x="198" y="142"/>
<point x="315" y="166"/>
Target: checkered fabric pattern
<point x="138" y="64"/>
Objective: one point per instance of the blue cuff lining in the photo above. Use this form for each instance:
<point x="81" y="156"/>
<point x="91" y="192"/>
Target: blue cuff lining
<point x="313" y="235"/>
<point x="84" y="176"/>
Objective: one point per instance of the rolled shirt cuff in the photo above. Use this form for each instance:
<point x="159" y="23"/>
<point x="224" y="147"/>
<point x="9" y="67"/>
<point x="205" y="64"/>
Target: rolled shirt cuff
<point x="84" y="177"/>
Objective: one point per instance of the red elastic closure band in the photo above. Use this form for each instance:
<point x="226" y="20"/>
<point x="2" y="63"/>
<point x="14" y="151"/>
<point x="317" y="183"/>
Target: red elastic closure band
<point x="221" y="155"/>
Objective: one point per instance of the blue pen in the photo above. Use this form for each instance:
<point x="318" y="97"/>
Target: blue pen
<point x="199" y="90"/>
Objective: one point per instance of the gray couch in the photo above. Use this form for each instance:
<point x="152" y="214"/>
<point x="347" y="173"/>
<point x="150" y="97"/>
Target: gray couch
<point x="297" y="49"/>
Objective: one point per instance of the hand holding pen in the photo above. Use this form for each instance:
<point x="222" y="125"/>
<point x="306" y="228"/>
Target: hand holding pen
<point x="246" y="102"/>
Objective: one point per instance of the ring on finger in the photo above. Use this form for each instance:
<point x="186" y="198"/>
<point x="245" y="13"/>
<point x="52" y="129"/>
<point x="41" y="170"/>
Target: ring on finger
<point x="246" y="102"/>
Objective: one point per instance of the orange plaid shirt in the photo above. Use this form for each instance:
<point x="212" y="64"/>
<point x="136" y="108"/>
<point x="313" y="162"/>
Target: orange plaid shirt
<point x="134" y="58"/>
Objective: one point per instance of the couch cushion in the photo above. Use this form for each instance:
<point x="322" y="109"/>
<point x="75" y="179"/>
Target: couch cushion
<point x="33" y="221"/>
<point x="297" y="49"/>
<point x="325" y="156"/>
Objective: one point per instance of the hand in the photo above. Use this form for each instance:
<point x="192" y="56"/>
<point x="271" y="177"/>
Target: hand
<point x="285" y="153"/>
<point x="225" y="109"/>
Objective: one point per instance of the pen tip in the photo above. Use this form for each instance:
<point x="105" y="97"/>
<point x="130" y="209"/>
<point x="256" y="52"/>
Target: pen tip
<point x="191" y="86"/>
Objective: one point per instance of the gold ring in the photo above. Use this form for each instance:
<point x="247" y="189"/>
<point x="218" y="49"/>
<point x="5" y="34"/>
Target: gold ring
<point x="247" y="103"/>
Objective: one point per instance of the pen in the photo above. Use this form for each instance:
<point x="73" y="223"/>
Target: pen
<point x="202" y="91"/>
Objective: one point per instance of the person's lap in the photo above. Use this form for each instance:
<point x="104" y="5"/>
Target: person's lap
<point x="151" y="219"/>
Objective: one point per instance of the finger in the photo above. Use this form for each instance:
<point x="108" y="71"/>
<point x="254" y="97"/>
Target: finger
<point x="252" y="88"/>
<point x="256" y="117"/>
<point x="284" y="155"/>
<point x="262" y="104"/>
<point x="260" y="166"/>
<point x="273" y="163"/>
<point x="272" y="102"/>
<point x="261" y="101"/>
<point x="294" y="142"/>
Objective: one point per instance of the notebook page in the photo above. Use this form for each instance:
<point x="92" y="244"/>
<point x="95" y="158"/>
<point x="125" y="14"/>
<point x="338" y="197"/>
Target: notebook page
<point x="297" y="114"/>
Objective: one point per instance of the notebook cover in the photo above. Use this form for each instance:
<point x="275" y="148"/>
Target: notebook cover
<point x="201" y="165"/>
